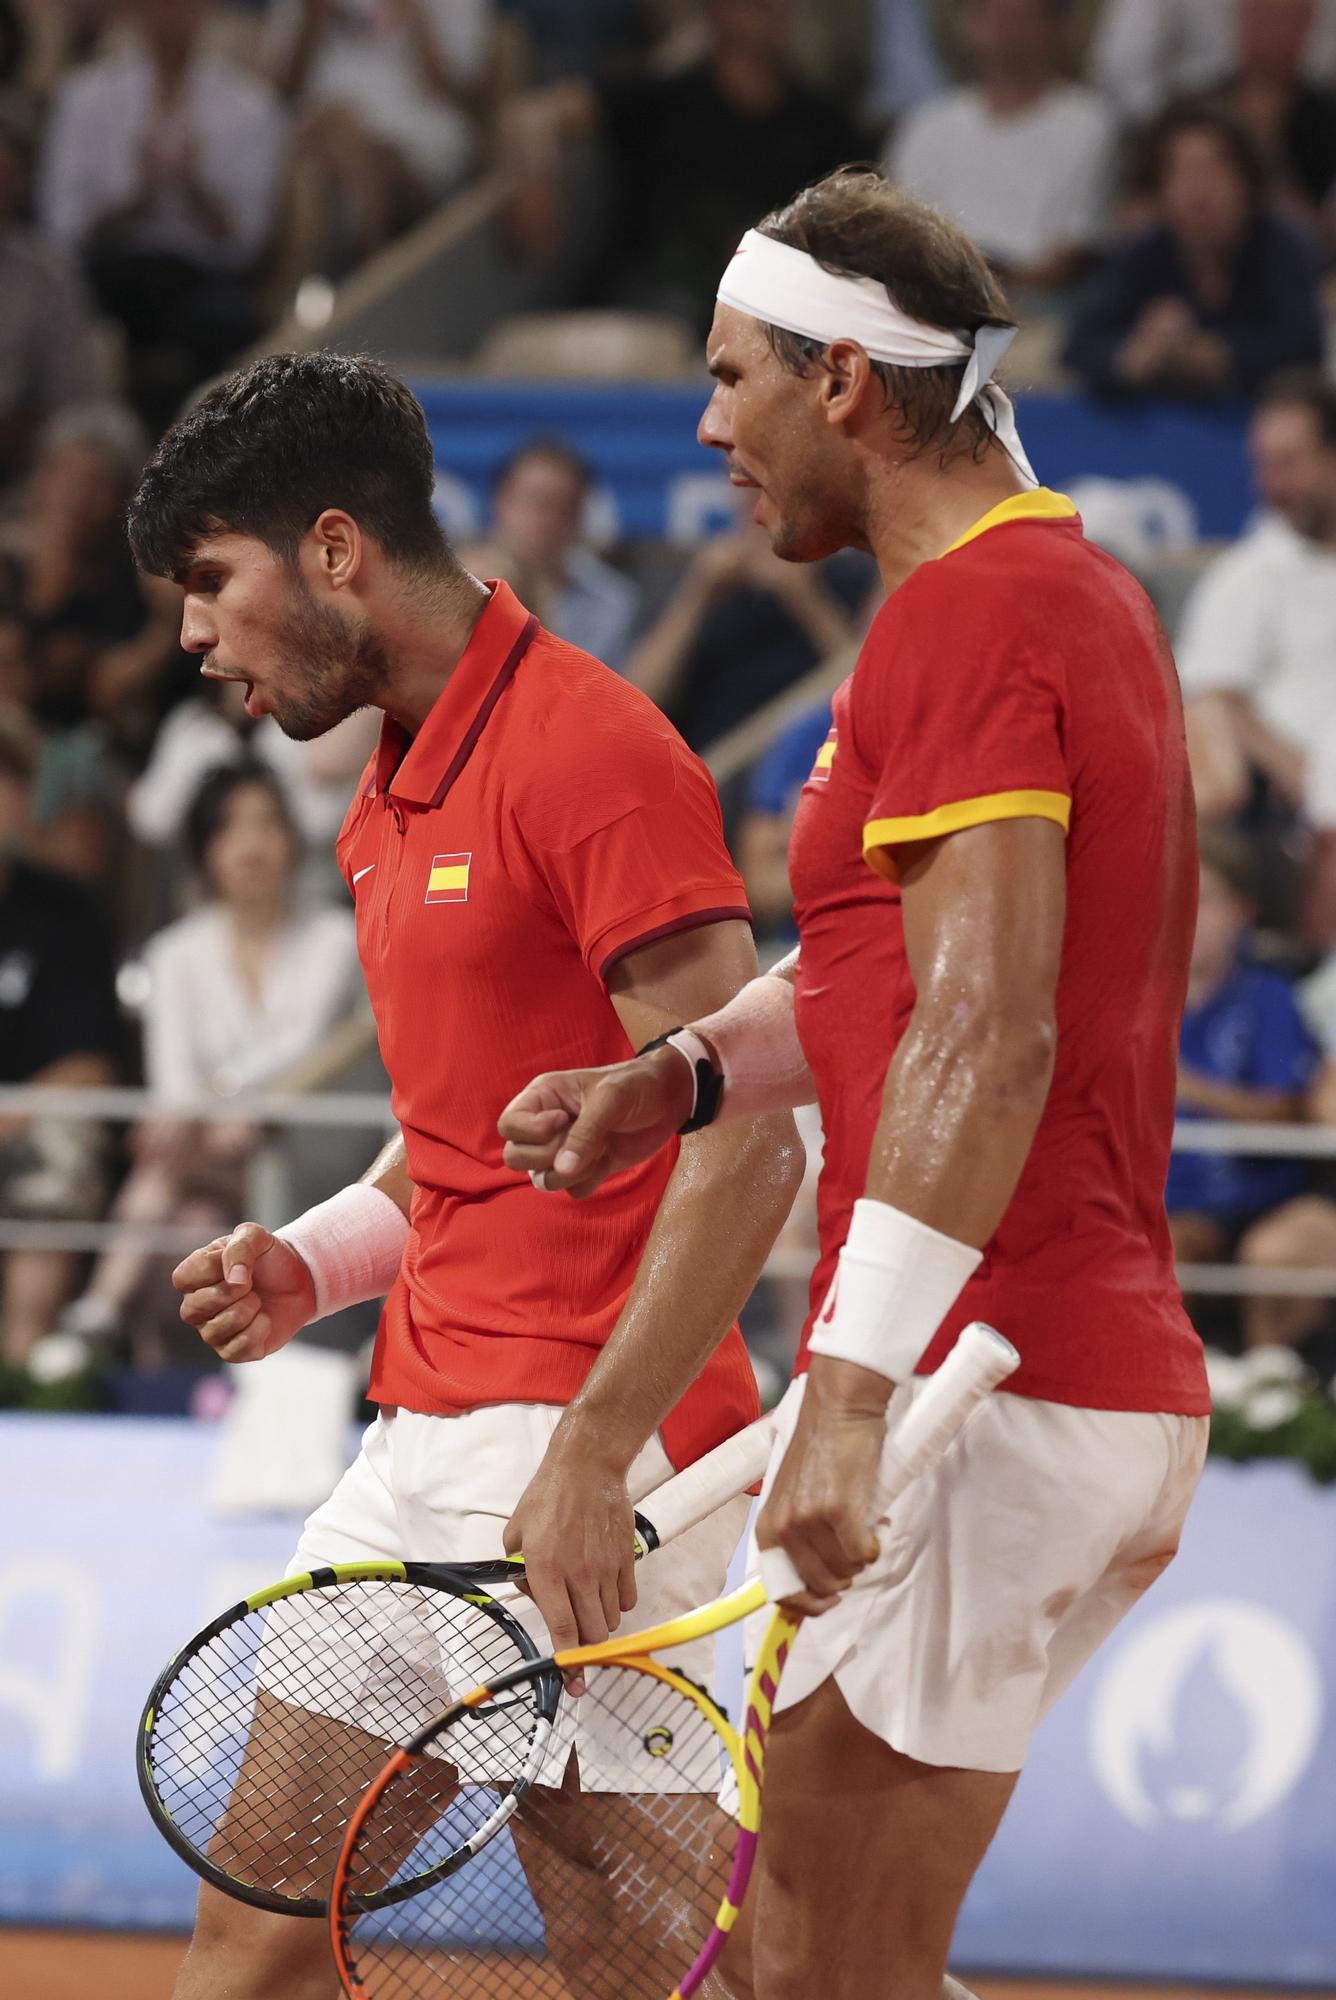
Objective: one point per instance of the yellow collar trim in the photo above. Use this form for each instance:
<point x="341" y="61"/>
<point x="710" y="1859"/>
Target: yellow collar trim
<point x="1039" y="503"/>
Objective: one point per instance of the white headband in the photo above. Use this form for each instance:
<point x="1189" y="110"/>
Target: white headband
<point x="784" y="287"/>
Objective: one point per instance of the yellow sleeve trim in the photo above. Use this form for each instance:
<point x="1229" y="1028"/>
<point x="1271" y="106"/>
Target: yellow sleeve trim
<point x="881" y="834"/>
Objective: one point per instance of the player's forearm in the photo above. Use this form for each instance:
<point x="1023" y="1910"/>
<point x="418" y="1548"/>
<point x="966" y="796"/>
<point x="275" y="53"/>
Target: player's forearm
<point x="959" y="1113"/>
<point x="725" y="1203"/>
<point x="389" y="1172"/>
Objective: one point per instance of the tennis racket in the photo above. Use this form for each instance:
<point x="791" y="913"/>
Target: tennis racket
<point x="608" y="1883"/>
<point x="261" y="1733"/>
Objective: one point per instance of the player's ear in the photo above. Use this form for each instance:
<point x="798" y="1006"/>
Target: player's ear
<point x="337" y="547"/>
<point x="846" y="374"/>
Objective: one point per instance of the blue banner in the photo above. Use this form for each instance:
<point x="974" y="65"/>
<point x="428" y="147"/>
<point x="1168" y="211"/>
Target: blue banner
<point x="1182" y="471"/>
<point x="1174" y="1821"/>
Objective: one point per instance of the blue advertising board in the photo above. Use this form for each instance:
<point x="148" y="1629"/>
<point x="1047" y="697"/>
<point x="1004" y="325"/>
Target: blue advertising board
<point x="654" y="479"/>
<point x="1174" y="1821"/>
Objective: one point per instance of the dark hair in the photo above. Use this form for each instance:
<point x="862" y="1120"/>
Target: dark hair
<point x="206" y="815"/>
<point x="1199" y="115"/>
<point x="855" y="221"/>
<point x="555" y="450"/>
<point x="1307" y="388"/>
<point x="266" y="450"/>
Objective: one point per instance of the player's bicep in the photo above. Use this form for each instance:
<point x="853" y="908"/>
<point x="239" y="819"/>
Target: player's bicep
<point x="680" y="978"/>
<point x="984" y="911"/>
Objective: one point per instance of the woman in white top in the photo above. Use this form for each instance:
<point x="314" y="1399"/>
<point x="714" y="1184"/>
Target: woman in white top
<point x="239" y="992"/>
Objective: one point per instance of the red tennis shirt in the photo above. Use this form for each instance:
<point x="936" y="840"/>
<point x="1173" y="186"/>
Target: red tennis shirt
<point x="545" y="821"/>
<point x="1021" y="674"/>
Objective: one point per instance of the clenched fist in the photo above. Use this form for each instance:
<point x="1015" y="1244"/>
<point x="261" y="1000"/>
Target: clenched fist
<point x="245" y="1294"/>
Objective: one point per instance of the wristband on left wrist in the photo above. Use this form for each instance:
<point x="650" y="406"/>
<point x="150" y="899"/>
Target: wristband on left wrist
<point x="706" y="1081"/>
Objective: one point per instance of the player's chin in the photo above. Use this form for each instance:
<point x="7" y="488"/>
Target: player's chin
<point x="301" y="724"/>
<point x="797" y="541"/>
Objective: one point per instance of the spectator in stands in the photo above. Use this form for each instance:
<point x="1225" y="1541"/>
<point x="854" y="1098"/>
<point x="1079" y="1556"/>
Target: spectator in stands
<point x="161" y="170"/>
<point x="741" y="627"/>
<point x="98" y="641"/>
<point x="1149" y="53"/>
<point x="1292" y="121"/>
<point x="903" y="59"/>
<point x="388" y="94"/>
<point x="564" y="38"/>
<point x="1022" y="159"/>
<point x="1214" y="298"/>
<point x="48" y="355"/>
<point x="762" y="844"/>
<point x="538" y="521"/>
<point x="59" y="1029"/>
<point x="696" y="155"/>
<point x="1246" y="1057"/>
<point x="240" y="991"/>
<point x="1258" y="636"/>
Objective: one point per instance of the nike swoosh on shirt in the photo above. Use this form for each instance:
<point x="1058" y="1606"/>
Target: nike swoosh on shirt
<point x="363" y="871"/>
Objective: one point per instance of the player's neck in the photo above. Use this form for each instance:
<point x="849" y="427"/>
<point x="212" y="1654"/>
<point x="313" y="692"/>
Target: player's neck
<point x="917" y="511"/>
<point x="424" y="639"/>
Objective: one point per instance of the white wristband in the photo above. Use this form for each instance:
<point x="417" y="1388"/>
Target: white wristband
<point x="895" y="1283"/>
<point x="352" y="1244"/>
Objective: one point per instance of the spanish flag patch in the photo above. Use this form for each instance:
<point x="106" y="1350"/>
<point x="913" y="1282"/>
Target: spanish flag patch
<point x="448" y="881"/>
<point x="825" y="757"/>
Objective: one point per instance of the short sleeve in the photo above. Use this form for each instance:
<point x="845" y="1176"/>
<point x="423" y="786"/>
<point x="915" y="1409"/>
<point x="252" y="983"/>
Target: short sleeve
<point x="957" y="715"/>
<point x="638" y="855"/>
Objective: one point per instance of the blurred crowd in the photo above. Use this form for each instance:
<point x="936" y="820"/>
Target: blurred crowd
<point x="1156" y="182"/>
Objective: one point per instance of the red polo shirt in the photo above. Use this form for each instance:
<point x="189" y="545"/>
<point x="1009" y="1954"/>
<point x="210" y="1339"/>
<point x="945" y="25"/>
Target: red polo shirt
<point x="1023" y="674"/>
<point x="545" y="821"/>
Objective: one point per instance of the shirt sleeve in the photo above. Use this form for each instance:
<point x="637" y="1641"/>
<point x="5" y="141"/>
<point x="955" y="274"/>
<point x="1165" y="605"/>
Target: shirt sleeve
<point x="958" y="716"/>
<point x="638" y="855"/>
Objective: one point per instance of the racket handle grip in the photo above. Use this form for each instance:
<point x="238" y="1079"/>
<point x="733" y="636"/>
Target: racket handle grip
<point x="722" y="1475"/>
<point x="778" y="1574"/>
<point x="980" y="1359"/>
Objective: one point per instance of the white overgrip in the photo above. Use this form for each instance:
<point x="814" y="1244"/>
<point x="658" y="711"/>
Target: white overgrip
<point x="980" y="1359"/>
<point x="692" y="1496"/>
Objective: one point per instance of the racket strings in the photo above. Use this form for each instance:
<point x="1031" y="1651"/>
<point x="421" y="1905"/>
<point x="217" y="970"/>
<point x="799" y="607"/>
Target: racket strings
<point x="272" y="1730"/>
<point x="602" y="1889"/>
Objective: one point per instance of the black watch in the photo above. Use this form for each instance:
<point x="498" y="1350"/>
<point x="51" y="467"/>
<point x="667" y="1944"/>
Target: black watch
<point x="709" y="1085"/>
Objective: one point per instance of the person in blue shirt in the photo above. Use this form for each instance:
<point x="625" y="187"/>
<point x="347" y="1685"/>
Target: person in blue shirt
<point x="1246" y="1056"/>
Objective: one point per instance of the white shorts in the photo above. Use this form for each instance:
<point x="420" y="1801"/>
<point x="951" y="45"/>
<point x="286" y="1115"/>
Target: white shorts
<point x="1001" y="1572"/>
<point x="441" y="1489"/>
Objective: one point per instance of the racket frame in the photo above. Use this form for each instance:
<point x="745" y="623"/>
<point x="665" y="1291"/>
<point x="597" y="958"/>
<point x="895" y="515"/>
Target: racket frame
<point x="345" y="1905"/>
<point x="426" y="1576"/>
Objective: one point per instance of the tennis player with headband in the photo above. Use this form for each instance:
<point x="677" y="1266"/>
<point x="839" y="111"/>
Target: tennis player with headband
<point x="994" y="871"/>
